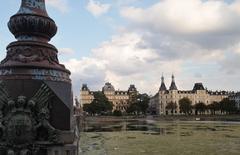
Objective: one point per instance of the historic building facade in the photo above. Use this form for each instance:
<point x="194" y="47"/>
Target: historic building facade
<point x="198" y="94"/>
<point x="235" y="97"/>
<point x="119" y="98"/>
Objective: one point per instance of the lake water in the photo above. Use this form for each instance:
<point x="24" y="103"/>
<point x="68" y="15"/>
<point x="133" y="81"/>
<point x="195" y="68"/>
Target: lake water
<point x="153" y="137"/>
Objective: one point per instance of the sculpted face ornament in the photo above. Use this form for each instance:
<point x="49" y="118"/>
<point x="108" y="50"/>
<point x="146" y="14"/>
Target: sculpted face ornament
<point x="25" y="121"/>
<point x="21" y="101"/>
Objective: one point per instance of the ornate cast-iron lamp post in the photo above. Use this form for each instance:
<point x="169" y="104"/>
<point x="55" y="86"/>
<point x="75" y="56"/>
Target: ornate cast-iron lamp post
<point x="36" y="105"/>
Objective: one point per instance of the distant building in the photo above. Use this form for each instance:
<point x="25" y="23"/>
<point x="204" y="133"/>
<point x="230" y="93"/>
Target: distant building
<point x="236" y="97"/>
<point x="119" y="98"/>
<point x="198" y="94"/>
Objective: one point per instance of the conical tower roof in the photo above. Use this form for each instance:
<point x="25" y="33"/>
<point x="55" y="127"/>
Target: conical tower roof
<point x="163" y="86"/>
<point x="173" y="84"/>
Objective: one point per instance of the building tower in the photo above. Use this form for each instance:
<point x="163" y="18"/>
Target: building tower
<point x="173" y="84"/>
<point x="36" y="102"/>
<point x="132" y="89"/>
<point x="163" y="86"/>
<point x="133" y="93"/>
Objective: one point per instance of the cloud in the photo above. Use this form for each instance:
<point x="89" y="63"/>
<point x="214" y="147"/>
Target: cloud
<point x="96" y="8"/>
<point x="122" y="61"/>
<point x="236" y="6"/>
<point x="197" y="40"/>
<point x="191" y="29"/>
<point x="86" y="70"/>
<point x="66" y="51"/>
<point x="230" y="63"/>
<point x="61" y="5"/>
<point x="187" y="16"/>
<point x="210" y="24"/>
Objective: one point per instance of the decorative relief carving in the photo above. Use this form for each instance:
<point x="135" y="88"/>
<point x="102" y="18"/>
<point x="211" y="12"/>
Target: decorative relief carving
<point x="23" y="121"/>
<point x="26" y="54"/>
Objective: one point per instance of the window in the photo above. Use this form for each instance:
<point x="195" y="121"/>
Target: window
<point x="67" y="152"/>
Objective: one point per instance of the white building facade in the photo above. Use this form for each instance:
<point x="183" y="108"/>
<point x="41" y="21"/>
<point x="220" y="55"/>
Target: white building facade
<point x="197" y="95"/>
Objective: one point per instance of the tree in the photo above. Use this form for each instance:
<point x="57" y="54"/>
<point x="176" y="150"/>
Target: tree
<point x="171" y="106"/>
<point x="143" y="102"/>
<point x="133" y="108"/>
<point x="88" y="108"/>
<point x="185" y="105"/>
<point x="200" y="107"/>
<point x="227" y="106"/>
<point x="140" y="105"/>
<point x="213" y="107"/>
<point x="100" y="104"/>
<point x="117" y="113"/>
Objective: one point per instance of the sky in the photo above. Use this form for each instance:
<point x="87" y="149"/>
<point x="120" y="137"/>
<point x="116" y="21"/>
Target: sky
<point x="137" y="41"/>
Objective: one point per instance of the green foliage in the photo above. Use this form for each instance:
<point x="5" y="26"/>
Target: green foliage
<point x="139" y="105"/>
<point x="100" y="104"/>
<point x="200" y="107"/>
<point x="227" y="106"/>
<point x="143" y="101"/>
<point x="171" y="106"/>
<point x="88" y="108"/>
<point x="133" y="109"/>
<point x="117" y="113"/>
<point x="185" y="105"/>
<point x="213" y="107"/>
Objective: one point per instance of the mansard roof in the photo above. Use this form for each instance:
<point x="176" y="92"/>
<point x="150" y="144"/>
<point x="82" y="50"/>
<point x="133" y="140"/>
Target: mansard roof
<point x="132" y="88"/>
<point x="108" y="87"/>
<point x="85" y="87"/>
<point x="198" y="86"/>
